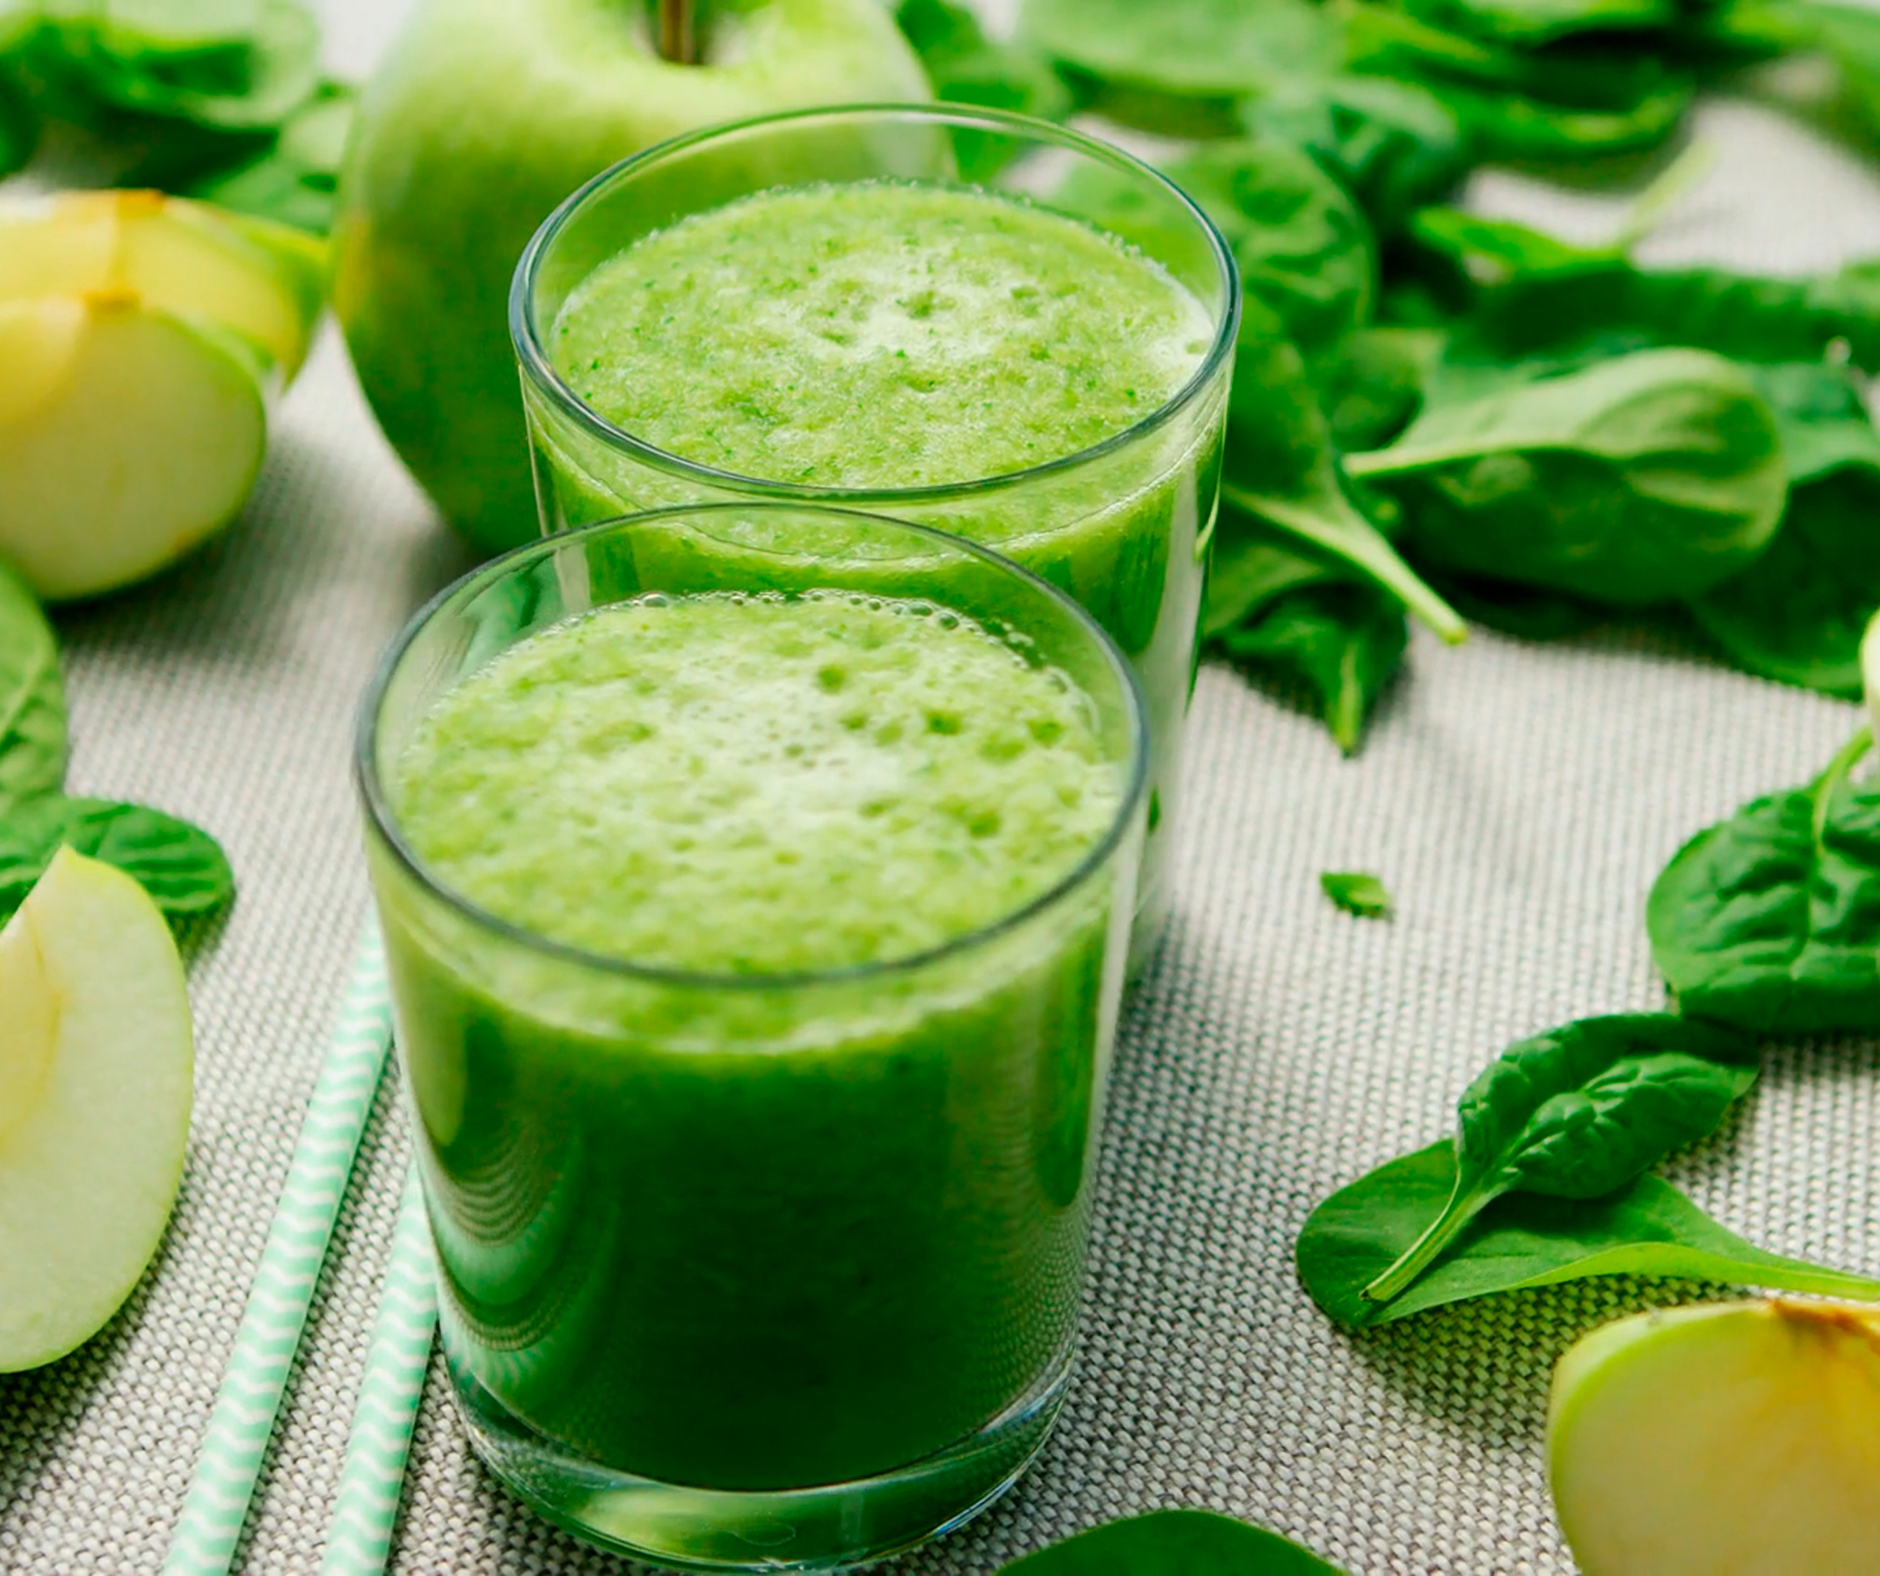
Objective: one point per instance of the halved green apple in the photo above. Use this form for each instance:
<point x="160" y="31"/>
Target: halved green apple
<point x="95" y="1091"/>
<point x="1735" y="1437"/>
<point x="141" y="336"/>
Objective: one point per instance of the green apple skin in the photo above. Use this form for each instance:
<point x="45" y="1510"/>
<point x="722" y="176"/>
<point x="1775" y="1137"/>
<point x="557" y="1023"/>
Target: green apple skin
<point x="485" y="116"/>
<point x="96" y="1064"/>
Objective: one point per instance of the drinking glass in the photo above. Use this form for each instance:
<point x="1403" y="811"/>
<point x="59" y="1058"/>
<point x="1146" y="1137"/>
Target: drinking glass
<point x="741" y="1272"/>
<point x="1123" y="526"/>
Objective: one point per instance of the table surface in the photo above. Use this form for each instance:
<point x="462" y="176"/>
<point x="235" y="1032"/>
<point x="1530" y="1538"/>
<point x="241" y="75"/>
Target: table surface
<point x="1517" y="798"/>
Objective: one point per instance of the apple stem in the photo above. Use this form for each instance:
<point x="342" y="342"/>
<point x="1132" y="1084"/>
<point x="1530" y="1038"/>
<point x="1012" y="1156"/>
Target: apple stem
<point x="677" y="41"/>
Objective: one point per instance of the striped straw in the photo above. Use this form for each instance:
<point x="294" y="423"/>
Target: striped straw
<point x="372" y="1478"/>
<point x="216" y="1506"/>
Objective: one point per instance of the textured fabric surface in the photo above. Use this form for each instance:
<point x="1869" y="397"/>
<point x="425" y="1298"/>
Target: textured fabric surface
<point x="1517" y="798"/>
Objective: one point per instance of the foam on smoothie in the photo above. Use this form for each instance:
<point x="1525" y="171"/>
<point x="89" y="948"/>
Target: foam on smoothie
<point x="757" y="783"/>
<point x="878" y="334"/>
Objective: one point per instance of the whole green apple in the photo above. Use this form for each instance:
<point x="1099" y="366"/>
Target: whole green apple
<point x="485" y="116"/>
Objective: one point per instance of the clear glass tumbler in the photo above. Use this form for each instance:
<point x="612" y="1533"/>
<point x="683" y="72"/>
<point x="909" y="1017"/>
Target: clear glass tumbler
<point x="743" y="1272"/>
<point x="1123" y="526"/>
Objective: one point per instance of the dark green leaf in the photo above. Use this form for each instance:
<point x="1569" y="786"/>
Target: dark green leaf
<point x="1356" y="893"/>
<point x="1393" y="145"/>
<point x="178" y="865"/>
<point x="1635" y="480"/>
<point x="1524" y="1240"/>
<point x="1370" y="384"/>
<point x="1501" y="245"/>
<point x="32" y="698"/>
<point x="1280" y="468"/>
<point x="1173" y="1543"/>
<point x="1509" y="127"/>
<point x="1303" y="248"/>
<point x="19" y="125"/>
<point x="1522" y="611"/>
<point x="1750" y="319"/>
<point x="1178" y="65"/>
<point x="1771" y="919"/>
<point x="296" y="180"/>
<point x="1577" y="1113"/>
<point x="171" y="28"/>
<point x="1344" y="640"/>
<point x="967" y="67"/>
<point x="1250" y="570"/>
<point x="252" y="84"/>
<point x="1563" y="103"/>
<point x="1542" y="21"/>
<point x="1798" y="612"/>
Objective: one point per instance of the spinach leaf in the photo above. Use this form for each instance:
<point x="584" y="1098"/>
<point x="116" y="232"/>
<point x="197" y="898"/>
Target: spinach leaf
<point x="1356" y="893"/>
<point x="1636" y="480"/>
<point x="1771" y="919"/>
<point x="1173" y="1543"/>
<point x="32" y="698"/>
<point x="1343" y="639"/>
<point x="1565" y="102"/>
<point x="1522" y="611"/>
<point x="1370" y="384"/>
<point x="1481" y="245"/>
<point x="296" y="180"/>
<point x="1179" y="65"/>
<point x="1542" y="21"/>
<point x="177" y="864"/>
<point x="268" y="66"/>
<point x="19" y="124"/>
<point x="1577" y="1113"/>
<point x="1525" y="1240"/>
<point x="1280" y="469"/>
<point x="1736" y="315"/>
<point x="1303" y="247"/>
<point x="1251" y="570"/>
<point x="1393" y="145"/>
<point x="1798" y="612"/>
<point x="1517" y="128"/>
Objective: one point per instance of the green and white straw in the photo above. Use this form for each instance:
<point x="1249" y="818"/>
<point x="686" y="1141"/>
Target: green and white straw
<point x="372" y="1477"/>
<point x="242" y="1421"/>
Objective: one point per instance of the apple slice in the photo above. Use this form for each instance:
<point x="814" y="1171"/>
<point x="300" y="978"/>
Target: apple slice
<point x="132" y="437"/>
<point x="1733" y="1437"/>
<point x="140" y="336"/>
<point x="95" y="1069"/>
<point x="259" y="279"/>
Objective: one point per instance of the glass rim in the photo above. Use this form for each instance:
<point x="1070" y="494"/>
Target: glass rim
<point x="526" y="338"/>
<point x="383" y="821"/>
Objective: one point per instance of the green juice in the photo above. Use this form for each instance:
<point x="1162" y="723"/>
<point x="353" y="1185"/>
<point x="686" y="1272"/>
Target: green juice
<point x="697" y="1221"/>
<point x="878" y="337"/>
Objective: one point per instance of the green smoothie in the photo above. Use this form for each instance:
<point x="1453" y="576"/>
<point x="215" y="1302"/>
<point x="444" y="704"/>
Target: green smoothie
<point x="742" y="1233"/>
<point x="879" y="336"/>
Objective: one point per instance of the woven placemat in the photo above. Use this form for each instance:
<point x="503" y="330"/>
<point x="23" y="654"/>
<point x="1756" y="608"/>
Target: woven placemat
<point x="1517" y="799"/>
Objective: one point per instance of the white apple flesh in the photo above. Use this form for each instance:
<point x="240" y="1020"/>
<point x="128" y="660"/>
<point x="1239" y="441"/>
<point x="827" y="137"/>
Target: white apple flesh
<point x="141" y="336"/>
<point x="95" y="1091"/>
<point x="1737" y="1439"/>
<point x="485" y="116"/>
<point x="145" y="440"/>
